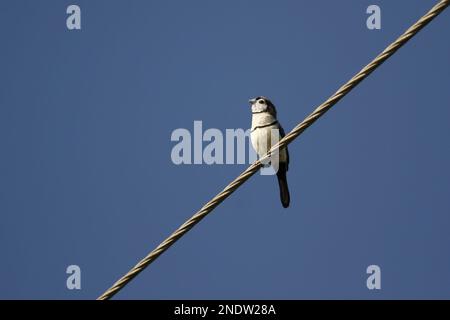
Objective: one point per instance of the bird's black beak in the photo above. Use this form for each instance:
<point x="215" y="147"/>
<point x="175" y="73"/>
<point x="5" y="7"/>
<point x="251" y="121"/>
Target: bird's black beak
<point x="252" y="101"/>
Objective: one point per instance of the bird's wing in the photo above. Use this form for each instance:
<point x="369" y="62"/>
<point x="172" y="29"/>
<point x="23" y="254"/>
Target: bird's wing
<point x="282" y="134"/>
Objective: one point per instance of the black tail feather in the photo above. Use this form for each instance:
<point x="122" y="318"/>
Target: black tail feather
<point x="282" y="182"/>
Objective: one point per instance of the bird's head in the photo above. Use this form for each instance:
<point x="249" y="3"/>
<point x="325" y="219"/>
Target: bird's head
<point x="262" y="104"/>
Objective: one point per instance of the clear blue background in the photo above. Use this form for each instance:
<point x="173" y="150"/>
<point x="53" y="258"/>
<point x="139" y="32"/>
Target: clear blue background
<point x="86" y="176"/>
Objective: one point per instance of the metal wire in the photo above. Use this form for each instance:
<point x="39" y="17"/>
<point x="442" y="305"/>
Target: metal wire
<point x="253" y="168"/>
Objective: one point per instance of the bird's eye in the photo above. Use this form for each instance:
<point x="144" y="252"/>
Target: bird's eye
<point x="261" y="101"/>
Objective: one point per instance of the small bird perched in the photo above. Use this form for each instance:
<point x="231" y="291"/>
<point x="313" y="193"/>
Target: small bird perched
<point x="264" y="125"/>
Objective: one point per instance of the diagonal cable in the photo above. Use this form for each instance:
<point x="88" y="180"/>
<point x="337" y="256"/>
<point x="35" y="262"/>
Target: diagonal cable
<point x="253" y="168"/>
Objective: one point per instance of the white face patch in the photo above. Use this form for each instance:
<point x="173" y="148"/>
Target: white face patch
<point x="260" y="105"/>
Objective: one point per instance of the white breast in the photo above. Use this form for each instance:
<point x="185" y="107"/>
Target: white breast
<point x="263" y="139"/>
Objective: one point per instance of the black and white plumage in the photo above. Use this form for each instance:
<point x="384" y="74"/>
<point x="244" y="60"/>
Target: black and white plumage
<point x="264" y="126"/>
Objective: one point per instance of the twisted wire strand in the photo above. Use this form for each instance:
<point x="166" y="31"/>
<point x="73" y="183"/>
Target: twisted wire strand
<point x="253" y="168"/>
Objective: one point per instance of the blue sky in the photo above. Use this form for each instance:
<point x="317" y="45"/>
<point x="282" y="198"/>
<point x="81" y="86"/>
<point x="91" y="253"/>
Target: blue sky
<point x="86" y="176"/>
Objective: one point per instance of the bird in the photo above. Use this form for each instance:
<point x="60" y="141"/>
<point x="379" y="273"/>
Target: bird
<point x="264" y="125"/>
